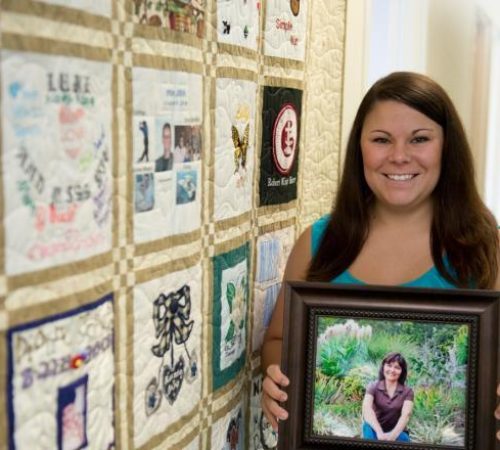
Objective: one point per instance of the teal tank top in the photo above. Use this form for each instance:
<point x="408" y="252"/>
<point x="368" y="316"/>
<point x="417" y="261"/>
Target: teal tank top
<point x="430" y="279"/>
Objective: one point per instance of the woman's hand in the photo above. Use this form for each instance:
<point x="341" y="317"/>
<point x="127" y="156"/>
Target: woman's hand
<point x="497" y="412"/>
<point x="272" y="394"/>
<point x="382" y="436"/>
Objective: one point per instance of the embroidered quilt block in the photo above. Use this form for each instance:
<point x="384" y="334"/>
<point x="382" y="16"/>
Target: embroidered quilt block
<point x="234" y="147"/>
<point x="66" y="363"/>
<point x="238" y="22"/>
<point x="280" y="145"/>
<point x="285" y="29"/>
<point x="262" y="435"/>
<point x="230" y="312"/>
<point x="167" y="356"/>
<point x="228" y="433"/>
<point x="56" y="139"/>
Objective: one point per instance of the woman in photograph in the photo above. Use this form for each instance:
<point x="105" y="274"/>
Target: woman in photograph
<point x="407" y="211"/>
<point x="388" y="402"/>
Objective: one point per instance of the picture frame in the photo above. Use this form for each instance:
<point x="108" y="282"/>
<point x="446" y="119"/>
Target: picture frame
<point x="424" y="322"/>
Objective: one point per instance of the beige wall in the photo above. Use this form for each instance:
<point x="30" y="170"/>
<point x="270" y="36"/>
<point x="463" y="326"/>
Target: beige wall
<point x="450" y="51"/>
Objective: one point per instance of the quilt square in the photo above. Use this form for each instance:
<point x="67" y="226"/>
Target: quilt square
<point x="234" y="147"/>
<point x="184" y="16"/>
<point x="262" y="435"/>
<point x="66" y="362"/>
<point x="280" y="145"/>
<point x="167" y="356"/>
<point x="167" y="153"/>
<point x="285" y="25"/>
<point x="228" y="433"/>
<point x="272" y="253"/>
<point x="238" y="22"/>
<point x="230" y="306"/>
<point x="56" y="140"/>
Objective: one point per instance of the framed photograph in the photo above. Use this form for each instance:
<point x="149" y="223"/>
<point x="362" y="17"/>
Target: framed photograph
<point x="389" y="367"/>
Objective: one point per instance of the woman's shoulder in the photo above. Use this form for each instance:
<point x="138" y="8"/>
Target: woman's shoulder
<point x="300" y="257"/>
<point x="408" y="393"/>
<point x="372" y="387"/>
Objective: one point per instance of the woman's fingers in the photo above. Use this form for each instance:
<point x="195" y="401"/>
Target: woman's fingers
<point x="270" y="417"/>
<point x="275" y="373"/>
<point x="272" y="390"/>
<point x="272" y="394"/>
<point x="273" y="411"/>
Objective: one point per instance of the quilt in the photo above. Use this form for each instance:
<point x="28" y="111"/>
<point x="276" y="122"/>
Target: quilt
<point x="158" y="160"/>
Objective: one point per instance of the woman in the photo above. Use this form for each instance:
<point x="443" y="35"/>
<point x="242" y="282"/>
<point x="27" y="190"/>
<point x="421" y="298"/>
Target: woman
<point x="407" y="211"/>
<point x="388" y="402"/>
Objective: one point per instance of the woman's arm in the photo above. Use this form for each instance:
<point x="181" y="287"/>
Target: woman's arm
<point x="370" y="417"/>
<point x="296" y="269"/>
<point x="402" y="422"/>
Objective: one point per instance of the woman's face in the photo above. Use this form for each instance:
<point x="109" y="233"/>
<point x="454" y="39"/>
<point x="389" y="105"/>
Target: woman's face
<point x="401" y="149"/>
<point x="392" y="371"/>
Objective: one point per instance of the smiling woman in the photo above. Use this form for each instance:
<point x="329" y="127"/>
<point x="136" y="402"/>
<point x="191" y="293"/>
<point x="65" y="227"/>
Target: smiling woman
<point x="388" y="402"/>
<point x="401" y="151"/>
<point x="407" y="211"/>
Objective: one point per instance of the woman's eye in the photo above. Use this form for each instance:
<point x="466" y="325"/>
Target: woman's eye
<point x="420" y="139"/>
<point x="381" y="140"/>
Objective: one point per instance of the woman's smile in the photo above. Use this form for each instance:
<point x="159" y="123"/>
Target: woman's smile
<point x="392" y="371"/>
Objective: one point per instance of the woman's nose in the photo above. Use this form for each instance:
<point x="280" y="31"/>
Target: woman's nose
<point x="399" y="152"/>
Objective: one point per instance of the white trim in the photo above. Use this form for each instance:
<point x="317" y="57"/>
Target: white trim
<point x="491" y="184"/>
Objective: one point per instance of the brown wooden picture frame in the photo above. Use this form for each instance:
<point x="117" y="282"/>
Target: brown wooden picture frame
<point x="306" y="302"/>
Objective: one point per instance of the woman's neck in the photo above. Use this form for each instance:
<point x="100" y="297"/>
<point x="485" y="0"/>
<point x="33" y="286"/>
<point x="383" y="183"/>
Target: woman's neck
<point x="420" y="217"/>
<point x="389" y="385"/>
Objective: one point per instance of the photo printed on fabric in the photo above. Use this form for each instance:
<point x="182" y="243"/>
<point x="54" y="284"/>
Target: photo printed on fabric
<point x="167" y="152"/>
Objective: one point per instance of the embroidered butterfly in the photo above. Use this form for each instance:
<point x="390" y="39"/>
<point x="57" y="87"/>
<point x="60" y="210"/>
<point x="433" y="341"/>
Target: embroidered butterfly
<point x="240" y="147"/>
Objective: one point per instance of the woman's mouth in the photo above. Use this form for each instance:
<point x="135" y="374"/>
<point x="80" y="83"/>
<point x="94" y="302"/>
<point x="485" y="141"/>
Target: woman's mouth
<point x="400" y="177"/>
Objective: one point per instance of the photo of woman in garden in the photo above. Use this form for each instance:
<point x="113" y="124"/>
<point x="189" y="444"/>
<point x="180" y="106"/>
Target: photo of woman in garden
<point x="388" y="402"/>
<point x="365" y="389"/>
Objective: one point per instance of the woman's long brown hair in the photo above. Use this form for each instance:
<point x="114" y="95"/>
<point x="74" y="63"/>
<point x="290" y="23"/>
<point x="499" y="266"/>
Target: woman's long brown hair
<point x="462" y="227"/>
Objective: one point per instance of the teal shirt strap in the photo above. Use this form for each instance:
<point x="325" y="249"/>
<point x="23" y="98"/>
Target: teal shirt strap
<point x="317" y="232"/>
